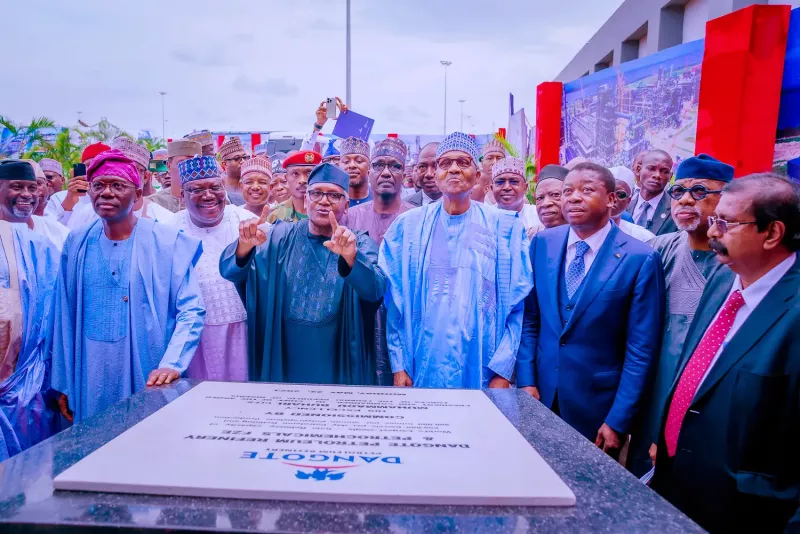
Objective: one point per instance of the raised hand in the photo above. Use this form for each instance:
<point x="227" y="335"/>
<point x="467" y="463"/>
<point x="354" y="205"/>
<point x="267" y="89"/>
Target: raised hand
<point x="342" y="241"/>
<point x="250" y="235"/>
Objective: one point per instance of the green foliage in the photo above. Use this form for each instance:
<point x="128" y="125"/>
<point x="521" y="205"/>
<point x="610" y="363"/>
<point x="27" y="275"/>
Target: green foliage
<point x="530" y="166"/>
<point x="31" y="133"/>
<point x="152" y="144"/>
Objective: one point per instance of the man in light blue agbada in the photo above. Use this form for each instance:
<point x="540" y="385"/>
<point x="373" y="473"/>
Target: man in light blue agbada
<point x="458" y="274"/>
<point x="28" y="271"/>
<point x="128" y="309"/>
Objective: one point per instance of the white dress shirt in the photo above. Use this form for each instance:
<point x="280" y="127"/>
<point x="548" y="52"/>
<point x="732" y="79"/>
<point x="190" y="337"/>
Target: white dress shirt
<point x="637" y="232"/>
<point x="529" y="217"/>
<point x="637" y="211"/>
<point x="595" y="241"/>
<point x="426" y="199"/>
<point x="752" y="296"/>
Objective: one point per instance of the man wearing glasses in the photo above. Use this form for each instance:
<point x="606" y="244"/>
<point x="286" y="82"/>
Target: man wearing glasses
<point x="128" y="312"/>
<point x="509" y="188"/>
<point x="688" y="263"/>
<point x="222" y="352"/>
<point x="458" y="273"/>
<point x="624" y="178"/>
<point x="424" y="174"/>
<point x="374" y="218"/>
<point x="727" y="442"/>
<point x="311" y="290"/>
<point x="233" y="154"/>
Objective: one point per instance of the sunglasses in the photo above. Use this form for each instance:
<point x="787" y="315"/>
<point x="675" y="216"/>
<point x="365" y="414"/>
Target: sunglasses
<point x="446" y="163"/>
<point x="698" y="192"/>
<point x="621" y="195"/>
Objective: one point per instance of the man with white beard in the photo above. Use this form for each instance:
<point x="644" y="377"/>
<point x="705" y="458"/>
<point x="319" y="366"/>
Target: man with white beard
<point x="689" y="263"/>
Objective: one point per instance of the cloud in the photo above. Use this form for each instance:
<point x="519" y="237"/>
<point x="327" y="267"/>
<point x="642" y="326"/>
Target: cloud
<point x="270" y="86"/>
<point x="212" y="58"/>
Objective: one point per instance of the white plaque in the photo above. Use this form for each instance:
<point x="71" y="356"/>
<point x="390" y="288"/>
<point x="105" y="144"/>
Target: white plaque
<point x="325" y="443"/>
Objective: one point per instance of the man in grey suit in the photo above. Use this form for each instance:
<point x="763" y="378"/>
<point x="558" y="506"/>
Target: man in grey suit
<point x="425" y="177"/>
<point x="727" y="450"/>
<point x="651" y="208"/>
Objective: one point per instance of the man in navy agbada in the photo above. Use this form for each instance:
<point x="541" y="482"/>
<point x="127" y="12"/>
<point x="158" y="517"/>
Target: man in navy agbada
<point x="592" y="323"/>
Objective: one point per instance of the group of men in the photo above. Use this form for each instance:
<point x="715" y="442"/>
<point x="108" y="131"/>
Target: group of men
<point x="640" y="305"/>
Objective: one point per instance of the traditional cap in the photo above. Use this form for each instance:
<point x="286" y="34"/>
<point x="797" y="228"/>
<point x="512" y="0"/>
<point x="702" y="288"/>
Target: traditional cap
<point x="257" y="164"/>
<point x="354" y="145"/>
<point x="623" y="174"/>
<point x="331" y="151"/>
<point x="14" y="169"/>
<point x="203" y="137"/>
<point x="277" y="163"/>
<point x="231" y="148"/>
<point x="37" y="169"/>
<point x="303" y="157"/>
<point x="93" y="150"/>
<point x="198" y="168"/>
<point x="329" y="174"/>
<point x="132" y="150"/>
<point x="493" y="146"/>
<point x="113" y="163"/>
<point x="556" y="172"/>
<point x="183" y="147"/>
<point x="461" y="142"/>
<point x="51" y="165"/>
<point x="391" y="146"/>
<point x="260" y="149"/>
<point x="160" y="154"/>
<point x="704" y="167"/>
<point x="509" y="165"/>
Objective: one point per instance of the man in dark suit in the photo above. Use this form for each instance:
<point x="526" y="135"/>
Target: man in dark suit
<point x="727" y="450"/>
<point x="425" y="177"/>
<point x="651" y="208"/>
<point x="592" y="323"/>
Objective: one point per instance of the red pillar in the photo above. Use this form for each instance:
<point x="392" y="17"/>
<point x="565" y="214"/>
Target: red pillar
<point x="220" y="140"/>
<point x="549" y="98"/>
<point x="255" y="139"/>
<point x="740" y="86"/>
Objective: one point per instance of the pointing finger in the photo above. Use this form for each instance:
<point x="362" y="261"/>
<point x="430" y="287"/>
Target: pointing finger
<point x="264" y="214"/>
<point x="334" y="222"/>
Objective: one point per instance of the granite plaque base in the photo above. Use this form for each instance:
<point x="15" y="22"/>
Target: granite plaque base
<point x="325" y="443"/>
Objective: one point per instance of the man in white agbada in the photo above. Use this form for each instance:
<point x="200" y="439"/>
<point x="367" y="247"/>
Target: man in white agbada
<point x="47" y="226"/>
<point x="143" y="208"/>
<point x="623" y="194"/>
<point x="222" y="353"/>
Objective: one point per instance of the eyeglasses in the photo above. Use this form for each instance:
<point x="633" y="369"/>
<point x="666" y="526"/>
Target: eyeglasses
<point x="117" y="188"/>
<point x="333" y="197"/>
<point x="513" y="182"/>
<point x="196" y="191"/>
<point x="238" y="159"/>
<point x="621" y="195"/>
<point x="394" y="168"/>
<point x="698" y="192"/>
<point x="724" y="225"/>
<point x="446" y="163"/>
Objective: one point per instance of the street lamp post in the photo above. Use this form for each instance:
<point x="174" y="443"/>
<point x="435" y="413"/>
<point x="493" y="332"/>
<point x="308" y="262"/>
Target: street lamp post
<point x="462" y="113"/>
<point x="446" y="64"/>
<point x="347" y="68"/>
<point x="163" y="119"/>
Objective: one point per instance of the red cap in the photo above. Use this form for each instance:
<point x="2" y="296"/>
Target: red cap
<point x="92" y="151"/>
<point x="305" y="157"/>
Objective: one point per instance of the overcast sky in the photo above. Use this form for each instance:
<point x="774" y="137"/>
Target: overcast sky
<point x="266" y="64"/>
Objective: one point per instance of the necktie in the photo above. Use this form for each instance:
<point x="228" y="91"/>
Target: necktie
<point x="643" y="216"/>
<point x="696" y="368"/>
<point x="576" y="268"/>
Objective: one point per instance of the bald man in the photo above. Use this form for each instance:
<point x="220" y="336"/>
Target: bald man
<point x="652" y="208"/>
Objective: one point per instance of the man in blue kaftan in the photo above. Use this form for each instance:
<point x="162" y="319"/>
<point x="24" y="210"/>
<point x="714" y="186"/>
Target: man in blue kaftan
<point x="458" y="273"/>
<point x="28" y="271"/>
<point x="128" y="309"/>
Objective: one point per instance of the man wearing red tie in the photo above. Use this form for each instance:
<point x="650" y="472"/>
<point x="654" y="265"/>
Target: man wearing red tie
<point x="727" y="454"/>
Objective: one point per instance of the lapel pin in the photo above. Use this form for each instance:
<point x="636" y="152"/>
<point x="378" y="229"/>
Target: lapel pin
<point x="663" y="215"/>
<point x="617" y="255"/>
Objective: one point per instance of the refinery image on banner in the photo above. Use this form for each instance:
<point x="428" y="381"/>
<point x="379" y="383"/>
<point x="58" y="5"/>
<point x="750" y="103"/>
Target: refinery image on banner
<point x="648" y="103"/>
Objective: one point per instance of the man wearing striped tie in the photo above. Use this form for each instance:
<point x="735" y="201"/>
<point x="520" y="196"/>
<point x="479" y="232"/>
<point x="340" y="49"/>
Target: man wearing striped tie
<point x="728" y="441"/>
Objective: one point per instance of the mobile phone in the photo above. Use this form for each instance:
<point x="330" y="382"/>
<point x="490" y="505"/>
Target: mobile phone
<point x="330" y="108"/>
<point x="79" y="171"/>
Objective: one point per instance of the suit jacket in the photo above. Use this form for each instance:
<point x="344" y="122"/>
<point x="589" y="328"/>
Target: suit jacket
<point x="662" y="222"/>
<point x="415" y="199"/>
<point x="737" y="464"/>
<point x="600" y="360"/>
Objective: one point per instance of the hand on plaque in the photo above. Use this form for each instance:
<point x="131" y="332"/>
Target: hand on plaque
<point x="163" y="376"/>
<point x="499" y="382"/>
<point x="402" y="380"/>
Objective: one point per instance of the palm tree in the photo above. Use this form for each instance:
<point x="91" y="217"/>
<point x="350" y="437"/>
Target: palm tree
<point x="103" y="132"/>
<point x="64" y="150"/>
<point x="29" y="135"/>
<point x="152" y="143"/>
<point x="530" y="166"/>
